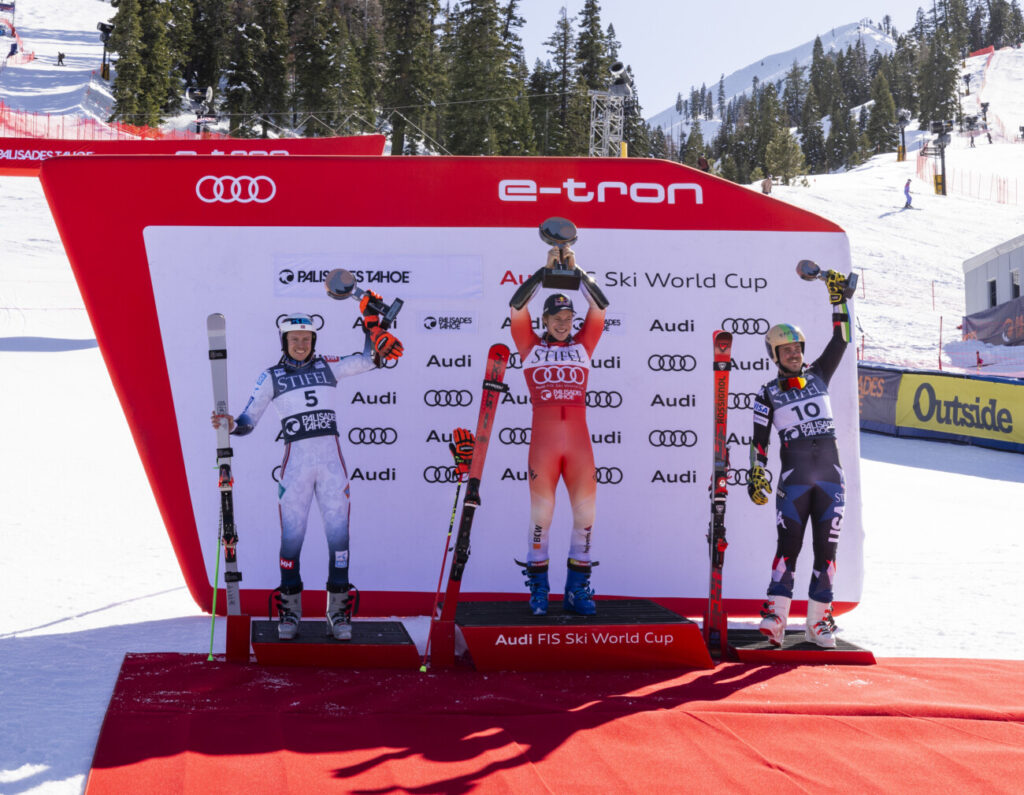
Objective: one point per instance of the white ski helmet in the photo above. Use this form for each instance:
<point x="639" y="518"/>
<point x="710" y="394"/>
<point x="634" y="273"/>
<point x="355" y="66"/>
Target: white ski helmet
<point x="782" y="334"/>
<point x="297" y="322"/>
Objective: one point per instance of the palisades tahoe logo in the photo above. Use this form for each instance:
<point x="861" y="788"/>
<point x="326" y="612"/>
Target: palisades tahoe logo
<point x="973" y="408"/>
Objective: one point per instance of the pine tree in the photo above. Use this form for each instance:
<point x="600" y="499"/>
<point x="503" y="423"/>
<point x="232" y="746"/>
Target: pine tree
<point x="592" y="53"/>
<point x="179" y="40"/>
<point x="409" y="85"/>
<point x="126" y="41"/>
<point x="694" y="147"/>
<point x="242" y="76"/>
<point x="882" y="127"/>
<point x="312" y="30"/>
<point x="481" y="104"/>
<point x="812" y="136"/>
<point x="783" y="157"/>
<point x="211" y="36"/>
<point x="793" y="95"/>
<point x="271" y="101"/>
<point x="517" y="136"/>
<point x="156" y="85"/>
<point x="721" y="96"/>
<point x="543" y="98"/>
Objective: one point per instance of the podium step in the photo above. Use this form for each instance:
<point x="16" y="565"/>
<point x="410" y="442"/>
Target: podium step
<point x="374" y="644"/>
<point x="626" y="634"/>
<point x="750" y="646"/>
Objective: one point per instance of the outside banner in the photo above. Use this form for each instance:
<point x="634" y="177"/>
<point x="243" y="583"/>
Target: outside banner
<point x="678" y="253"/>
<point x="22" y="157"/>
<point x="958" y="406"/>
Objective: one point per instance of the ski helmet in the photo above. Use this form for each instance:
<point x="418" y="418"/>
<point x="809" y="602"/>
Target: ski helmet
<point x="295" y="322"/>
<point x="556" y="303"/>
<point x="782" y="334"/>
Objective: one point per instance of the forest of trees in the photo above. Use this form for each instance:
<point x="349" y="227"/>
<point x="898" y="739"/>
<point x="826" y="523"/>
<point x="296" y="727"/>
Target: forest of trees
<point x="455" y="80"/>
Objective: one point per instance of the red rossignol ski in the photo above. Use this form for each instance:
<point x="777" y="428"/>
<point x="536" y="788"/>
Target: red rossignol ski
<point x="494" y="386"/>
<point x="715" y="622"/>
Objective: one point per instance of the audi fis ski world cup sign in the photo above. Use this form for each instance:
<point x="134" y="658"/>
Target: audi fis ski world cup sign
<point x="678" y="253"/>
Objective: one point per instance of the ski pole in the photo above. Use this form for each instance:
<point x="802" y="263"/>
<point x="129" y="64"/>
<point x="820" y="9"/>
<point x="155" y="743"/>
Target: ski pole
<point x="216" y="580"/>
<point x="440" y="577"/>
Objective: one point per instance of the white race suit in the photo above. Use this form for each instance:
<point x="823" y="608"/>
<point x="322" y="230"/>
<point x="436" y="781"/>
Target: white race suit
<point x="303" y="393"/>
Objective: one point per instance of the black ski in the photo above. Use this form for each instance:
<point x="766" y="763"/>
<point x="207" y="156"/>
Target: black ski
<point x="216" y="329"/>
<point x="715" y="621"/>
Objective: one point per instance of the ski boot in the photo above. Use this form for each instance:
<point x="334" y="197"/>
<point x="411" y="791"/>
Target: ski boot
<point x="820" y="626"/>
<point x="579" y="597"/>
<point x="340" y="607"/>
<point x="537" y="582"/>
<point x="289" y="611"/>
<point x="774" y="614"/>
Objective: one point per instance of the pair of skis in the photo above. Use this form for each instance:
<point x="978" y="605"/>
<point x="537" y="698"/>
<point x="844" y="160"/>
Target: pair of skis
<point x="715" y="620"/>
<point x="493" y="388"/>
<point x="228" y="537"/>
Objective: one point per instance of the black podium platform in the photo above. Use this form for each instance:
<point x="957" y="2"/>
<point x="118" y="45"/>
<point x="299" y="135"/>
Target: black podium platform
<point x="750" y="646"/>
<point x="626" y="634"/>
<point x="374" y="644"/>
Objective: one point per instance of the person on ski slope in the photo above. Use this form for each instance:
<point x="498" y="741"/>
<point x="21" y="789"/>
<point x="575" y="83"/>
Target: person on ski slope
<point x="301" y="386"/>
<point x="556" y="367"/>
<point x="811" y="484"/>
<point x="906" y="192"/>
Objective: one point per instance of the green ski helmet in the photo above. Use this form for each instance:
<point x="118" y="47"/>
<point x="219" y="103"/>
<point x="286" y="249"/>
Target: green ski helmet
<point x="782" y="334"/>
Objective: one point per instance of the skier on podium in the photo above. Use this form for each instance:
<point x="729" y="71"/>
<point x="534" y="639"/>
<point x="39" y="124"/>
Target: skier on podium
<point x="556" y="367"/>
<point x="301" y="387"/>
<point x="811" y="485"/>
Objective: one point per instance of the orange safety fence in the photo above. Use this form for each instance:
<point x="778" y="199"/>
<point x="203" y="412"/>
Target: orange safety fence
<point x="33" y="124"/>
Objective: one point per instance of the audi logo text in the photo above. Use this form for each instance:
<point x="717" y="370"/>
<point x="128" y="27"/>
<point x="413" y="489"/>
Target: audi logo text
<point x="448" y="397"/>
<point x="372" y="435"/>
<point x="746" y="325"/>
<point x="672" y="362"/>
<point x="608" y="475"/>
<point x="514" y="435"/>
<point x="601" y="399"/>
<point x="674" y="438"/>
<point x="558" y="374"/>
<point x="242" y="190"/>
<point x="440" y="475"/>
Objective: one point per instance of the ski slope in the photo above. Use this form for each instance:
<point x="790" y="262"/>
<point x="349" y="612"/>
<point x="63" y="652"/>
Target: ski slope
<point x="89" y="569"/>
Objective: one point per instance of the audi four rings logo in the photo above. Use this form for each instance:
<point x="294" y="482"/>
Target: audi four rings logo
<point x="372" y="435"/>
<point x="740" y="477"/>
<point x="515" y="362"/>
<point x="558" y="374"/>
<point x="742" y="400"/>
<point x="440" y="475"/>
<point x="243" y="190"/>
<point x="672" y="438"/>
<point x="599" y="399"/>
<point x="608" y="475"/>
<point x="672" y="362"/>
<point x="745" y="325"/>
<point x="448" y="397"/>
<point x="514" y="435"/>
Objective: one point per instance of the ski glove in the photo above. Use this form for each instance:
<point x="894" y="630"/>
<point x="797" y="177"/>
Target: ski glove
<point x="370" y="317"/>
<point x="461" y="446"/>
<point x="758" y="486"/>
<point x="836" y="287"/>
<point x="385" y="343"/>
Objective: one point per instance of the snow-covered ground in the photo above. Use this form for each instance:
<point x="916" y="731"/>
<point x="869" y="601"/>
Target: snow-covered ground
<point x="88" y="569"/>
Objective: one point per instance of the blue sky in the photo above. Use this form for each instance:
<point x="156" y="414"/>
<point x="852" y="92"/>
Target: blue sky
<point x="673" y="44"/>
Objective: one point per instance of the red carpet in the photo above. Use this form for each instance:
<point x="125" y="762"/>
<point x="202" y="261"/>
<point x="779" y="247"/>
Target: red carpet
<point x="177" y="723"/>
